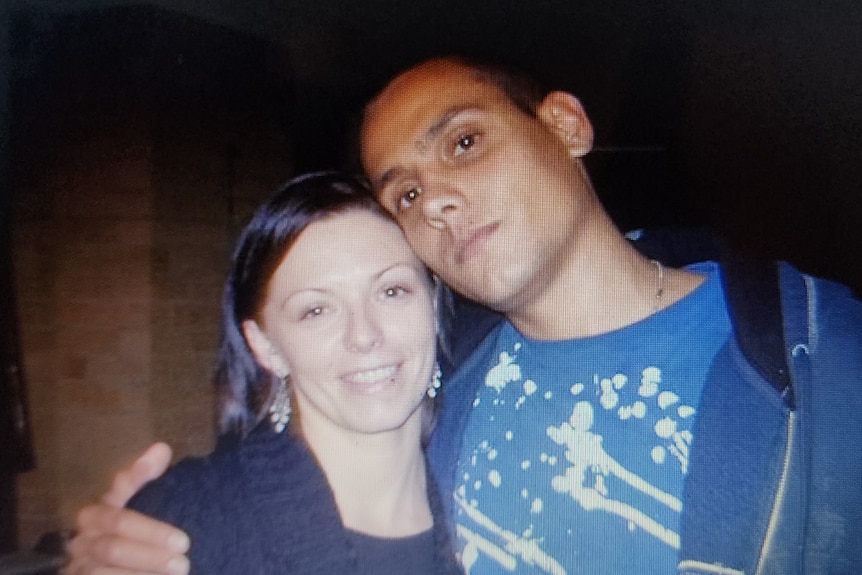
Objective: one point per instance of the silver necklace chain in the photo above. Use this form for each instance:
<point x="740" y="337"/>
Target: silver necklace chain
<point x="659" y="292"/>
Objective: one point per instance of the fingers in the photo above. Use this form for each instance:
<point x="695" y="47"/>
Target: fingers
<point x="111" y="540"/>
<point x="150" y="465"/>
<point x="101" y="571"/>
<point x="74" y="569"/>
<point x="121" y="541"/>
<point x="100" y="520"/>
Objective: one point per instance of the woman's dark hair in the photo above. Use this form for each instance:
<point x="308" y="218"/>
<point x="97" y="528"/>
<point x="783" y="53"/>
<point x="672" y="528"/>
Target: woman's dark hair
<point x="243" y="387"/>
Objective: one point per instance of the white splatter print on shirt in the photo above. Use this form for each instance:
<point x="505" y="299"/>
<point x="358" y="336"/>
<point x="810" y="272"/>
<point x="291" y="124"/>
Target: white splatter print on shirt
<point x="574" y="458"/>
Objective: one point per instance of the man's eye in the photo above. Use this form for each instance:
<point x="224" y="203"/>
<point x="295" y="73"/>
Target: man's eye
<point x="464" y="143"/>
<point x="408" y="197"/>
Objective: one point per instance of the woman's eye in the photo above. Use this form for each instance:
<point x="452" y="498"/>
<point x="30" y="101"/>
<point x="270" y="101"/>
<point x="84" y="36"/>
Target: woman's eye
<point x="394" y="291"/>
<point x="313" y="312"/>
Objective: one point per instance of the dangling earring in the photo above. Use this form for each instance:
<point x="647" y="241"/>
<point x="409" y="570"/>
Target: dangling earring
<point x="435" y="383"/>
<point x="279" y="409"/>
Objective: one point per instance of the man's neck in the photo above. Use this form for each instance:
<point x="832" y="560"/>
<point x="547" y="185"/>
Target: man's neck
<point x="606" y="285"/>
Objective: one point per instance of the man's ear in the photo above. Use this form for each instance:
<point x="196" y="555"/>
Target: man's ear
<point x="263" y="350"/>
<point x="564" y="115"/>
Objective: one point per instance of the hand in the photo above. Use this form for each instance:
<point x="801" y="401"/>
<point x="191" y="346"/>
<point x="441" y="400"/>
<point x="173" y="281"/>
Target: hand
<point x="111" y="540"/>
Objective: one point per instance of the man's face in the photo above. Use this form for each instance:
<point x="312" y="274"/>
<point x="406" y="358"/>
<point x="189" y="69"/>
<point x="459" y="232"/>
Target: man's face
<point x="486" y="195"/>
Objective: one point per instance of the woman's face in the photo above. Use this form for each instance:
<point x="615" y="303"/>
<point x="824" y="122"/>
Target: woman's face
<point x="350" y="316"/>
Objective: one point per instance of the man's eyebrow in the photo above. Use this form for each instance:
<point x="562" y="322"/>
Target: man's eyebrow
<point x="433" y="130"/>
<point x="442" y="121"/>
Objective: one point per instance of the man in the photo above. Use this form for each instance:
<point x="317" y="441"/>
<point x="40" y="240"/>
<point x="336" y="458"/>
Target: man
<point x="612" y="423"/>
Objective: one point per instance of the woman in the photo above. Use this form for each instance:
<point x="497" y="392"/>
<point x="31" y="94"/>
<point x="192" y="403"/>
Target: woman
<point x="324" y="377"/>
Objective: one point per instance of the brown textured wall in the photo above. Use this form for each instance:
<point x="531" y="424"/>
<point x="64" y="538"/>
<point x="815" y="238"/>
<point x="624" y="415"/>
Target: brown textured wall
<point x="128" y="197"/>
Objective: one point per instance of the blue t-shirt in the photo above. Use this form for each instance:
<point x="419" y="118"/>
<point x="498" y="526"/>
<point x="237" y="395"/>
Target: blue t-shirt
<point x="575" y="452"/>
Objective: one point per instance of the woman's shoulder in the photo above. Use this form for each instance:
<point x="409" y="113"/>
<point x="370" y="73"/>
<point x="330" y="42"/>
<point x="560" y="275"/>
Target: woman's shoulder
<point x="260" y="504"/>
<point x="237" y="502"/>
<point x="235" y="468"/>
<point x="193" y="483"/>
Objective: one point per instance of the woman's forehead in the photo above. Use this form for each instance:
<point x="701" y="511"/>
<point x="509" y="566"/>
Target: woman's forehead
<point x="350" y="238"/>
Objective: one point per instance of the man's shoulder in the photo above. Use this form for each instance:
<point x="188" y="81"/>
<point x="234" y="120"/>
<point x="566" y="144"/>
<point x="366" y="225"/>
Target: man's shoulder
<point x="832" y="295"/>
<point x="832" y="321"/>
<point x="778" y="313"/>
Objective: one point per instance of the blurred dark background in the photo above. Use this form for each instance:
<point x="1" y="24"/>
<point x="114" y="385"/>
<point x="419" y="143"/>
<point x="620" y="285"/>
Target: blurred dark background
<point x="741" y="117"/>
<point x="744" y="116"/>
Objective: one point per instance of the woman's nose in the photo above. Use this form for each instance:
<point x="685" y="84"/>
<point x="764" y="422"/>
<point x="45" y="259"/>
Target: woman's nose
<point x="363" y="332"/>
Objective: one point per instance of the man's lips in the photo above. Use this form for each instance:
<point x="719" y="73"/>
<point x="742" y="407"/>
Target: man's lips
<point x="473" y="241"/>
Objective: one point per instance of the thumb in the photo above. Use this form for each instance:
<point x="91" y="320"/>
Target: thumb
<point x="151" y="464"/>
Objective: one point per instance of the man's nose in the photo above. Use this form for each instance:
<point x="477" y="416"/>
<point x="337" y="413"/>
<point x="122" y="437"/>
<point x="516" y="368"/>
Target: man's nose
<point x="442" y="202"/>
<point x="363" y="331"/>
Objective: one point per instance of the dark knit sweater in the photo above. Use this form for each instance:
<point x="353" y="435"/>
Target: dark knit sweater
<point x="264" y="506"/>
